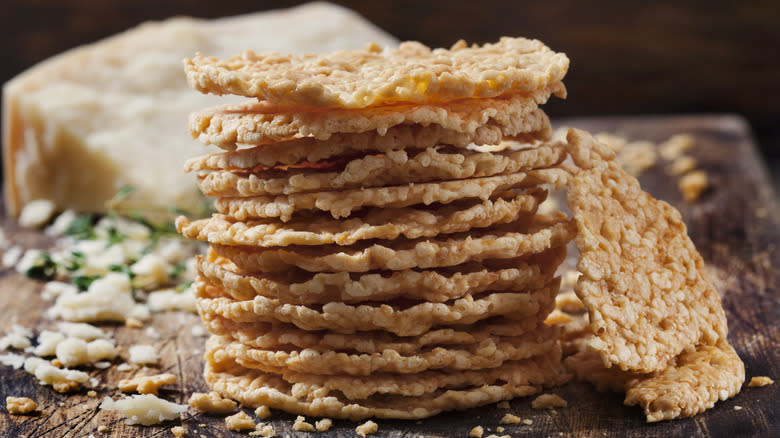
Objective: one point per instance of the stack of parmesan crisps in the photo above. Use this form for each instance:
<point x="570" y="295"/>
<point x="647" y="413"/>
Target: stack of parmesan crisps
<point x="377" y="249"/>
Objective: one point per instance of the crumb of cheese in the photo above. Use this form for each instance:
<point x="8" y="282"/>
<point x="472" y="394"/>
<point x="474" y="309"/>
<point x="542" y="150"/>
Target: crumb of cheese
<point x="323" y="425"/>
<point x="510" y="419"/>
<point x="262" y="412"/>
<point x="143" y="354"/>
<point x="211" y="403"/>
<point x="146" y="409"/>
<point x="693" y="184"/>
<point x="239" y="421"/>
<point x="476" y="432"/>
<point x="367" y="428"/>
<point x="20" y="405"/>
<point x="759" y="381"/>
<point x="301" y="425"/>
<point x="147" y="384"/>
<point x="548" y="401"/>
<point x="178" y="431"/>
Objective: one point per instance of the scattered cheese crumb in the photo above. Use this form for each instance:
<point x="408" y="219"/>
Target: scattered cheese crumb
<point x="143" y="354"/>
<point x="91" y="393"/>
<point x="36" y="213"/>
<point x="145" y="409"/>
<point x="262" y="412"/>
<point x="301" y="425"/>
<point x="20" y="405"/>
<point x="178" y="431"/>
<point x="675" y="146"/>
<point x="759" y="381"/>
<point x="682" y="165"/>
<point x="12" y="360"/>
<point x="239" y="421"/>
<point x="503" y="405"/>
<point x="124" y="367"/>
<point x="11" y="257"/>
<point x="106" y="299"/>
<point x="548" y="401"/>
<point x="170" y="299"/>
<point x="18" y="338"/>
<point x="367" y="428"/>
<point x="497" y="436"/>
<point x="528" y="422"/>
<point x="211" y="403"/>
<point x="61" y="223"/>
<point x="102" y="428"/>
<point x="510" y="419"/>
<point x="81" y="330"/>
<point x="737" y="408"/>
<point x="693" y="184"/>
<point x="263" y="430"/>
<point x="476" y="432"/>
<point x="323" y="425"/>
<point x="134" y="323"/>
<point x="147" y="384"/>
<point x="499" y="429"/>
<point x="72" y="352"/>
<point x="62" y="380"/>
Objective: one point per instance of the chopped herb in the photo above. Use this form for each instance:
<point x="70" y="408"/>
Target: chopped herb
<point x="181" y="287"/>
<point x="120" y="196"/>
<point x="125" y="269"/>
<point x="81" y="228"/>
<point x="44" y="268"/>
<point x="83" y="281"/>
<point x="176" y="270"/>
<point x="114" y="236"/>
<point x="76" y="262"/>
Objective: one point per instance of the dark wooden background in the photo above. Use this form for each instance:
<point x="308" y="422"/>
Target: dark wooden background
<point x="628" y="57"/>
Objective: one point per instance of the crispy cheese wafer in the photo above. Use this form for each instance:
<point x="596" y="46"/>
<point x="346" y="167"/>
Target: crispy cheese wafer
<point x="440" y="285"/>
<point x="376" y="223"/>
<point x="488" y="353"/>
<point x="406" y="320"/>
<point x="499" y="242"/>
<point x="341" y="203"/>
<point x="370" y="77"/>
<point x="257" y="123"/>
<point x="643" y="282"/>
<point x="255" y="388"/>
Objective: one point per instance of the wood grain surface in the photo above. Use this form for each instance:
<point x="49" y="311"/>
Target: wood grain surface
<point x="735" y="224"/>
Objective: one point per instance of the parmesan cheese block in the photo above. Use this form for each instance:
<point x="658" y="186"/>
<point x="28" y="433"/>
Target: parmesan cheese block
<point x="83" y="124"/>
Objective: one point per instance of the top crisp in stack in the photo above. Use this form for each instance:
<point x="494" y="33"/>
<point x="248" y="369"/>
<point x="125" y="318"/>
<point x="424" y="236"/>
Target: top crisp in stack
<point x="377" y="250"/>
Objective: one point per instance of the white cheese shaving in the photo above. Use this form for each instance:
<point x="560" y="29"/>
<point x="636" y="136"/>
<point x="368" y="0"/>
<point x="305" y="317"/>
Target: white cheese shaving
<point x="83" y="331"/>
<point x="145" y="409"/>
<point x="12" y="360"/>
<point x="36" y="213"/>
<point x="48" y="374"/>
<point x="18" y="338"/>
<point x="143" y="354"/>
<point x="107" y="299"/>
<point x="11" y="257"/>
<point x="169" y="299"/>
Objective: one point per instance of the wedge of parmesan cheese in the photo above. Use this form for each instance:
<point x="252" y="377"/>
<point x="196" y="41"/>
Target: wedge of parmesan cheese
<point x="82" y="125"/>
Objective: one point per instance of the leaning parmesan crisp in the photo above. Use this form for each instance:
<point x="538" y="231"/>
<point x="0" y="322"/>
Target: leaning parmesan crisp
<point x="369" y="77"/>
<point x="643" y="282"/>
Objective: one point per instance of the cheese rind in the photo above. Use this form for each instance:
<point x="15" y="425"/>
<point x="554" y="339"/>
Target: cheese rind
<point x="80" y="126"/>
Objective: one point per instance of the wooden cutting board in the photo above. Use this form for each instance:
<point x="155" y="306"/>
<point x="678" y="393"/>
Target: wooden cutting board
<point x="735" y="224"/>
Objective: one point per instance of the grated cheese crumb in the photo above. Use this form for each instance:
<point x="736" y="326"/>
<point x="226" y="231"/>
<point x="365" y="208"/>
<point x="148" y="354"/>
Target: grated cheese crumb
<point x="262" y="412"/>
<point x="146" y="409"/>
<point x="20" y="405"/>
<point x="301" y="425"/>
<point x="143" y="354"/>
<point x="548" y="401"/>
<point x="178" y="431"/>
<point x="759" y="381"/>
<point x="323" y="425"/>
<point x="693" y="184"/>
<point x="367" y="428"/>
<point x="12" y="360"/>
<point x="62" y="380"/>
<point x="36" y="213"/>
<point x="147" y="384"/>
<point x="102" y="428"/>
<point x="18" y="338"/>
<point x="476" y="432"/>
<point x="239" y="421"/>
<point x="211" y="403"/>
<point x="510" y="419"/>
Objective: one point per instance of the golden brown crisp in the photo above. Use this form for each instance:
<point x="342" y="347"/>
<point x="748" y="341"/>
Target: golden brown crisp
<point x="211" y="403"/>
<point x="147" y="384"/>
<point x="341" y="203"/>
<point x="20" y="405"/>
<point x="759" y="381"/>
<point x="375" y="223"/>
<point x="643" y="282"/>
<point x="361" y="78"/>
<point x="548" y="401"/>
<point x="258" y="123"/>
